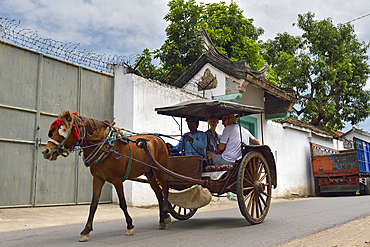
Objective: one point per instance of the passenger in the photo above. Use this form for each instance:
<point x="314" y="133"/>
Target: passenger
<point x="230" y="142"/>
<point x="193" y="142"/>
<point x="213" y="138"/>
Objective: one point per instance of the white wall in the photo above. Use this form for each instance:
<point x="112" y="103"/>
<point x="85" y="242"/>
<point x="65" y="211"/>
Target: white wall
<point x="253" y="96"/>
<point x="359" y="134"/>
<point x="135" y="99"/>
<point x="291" y="149"/>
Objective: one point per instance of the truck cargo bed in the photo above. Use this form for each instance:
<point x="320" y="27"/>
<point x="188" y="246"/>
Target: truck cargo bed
<point x="341" y="171"/>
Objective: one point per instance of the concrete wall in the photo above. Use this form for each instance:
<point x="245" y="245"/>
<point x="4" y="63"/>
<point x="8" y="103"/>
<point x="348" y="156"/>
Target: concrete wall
<point x="253" y="96"/>
<point x="135" y="99"/>
<point x="291" y="149"/>
<point x="359" y="134"/>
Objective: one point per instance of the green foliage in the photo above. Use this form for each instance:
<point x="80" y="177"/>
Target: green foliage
<point x="327" y="67"/>
<point x="146" y="67"/>
<point x="233" y="34"/>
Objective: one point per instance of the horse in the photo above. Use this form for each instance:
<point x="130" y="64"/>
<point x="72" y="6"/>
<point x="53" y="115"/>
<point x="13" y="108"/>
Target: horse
<point x="71" y="130"/>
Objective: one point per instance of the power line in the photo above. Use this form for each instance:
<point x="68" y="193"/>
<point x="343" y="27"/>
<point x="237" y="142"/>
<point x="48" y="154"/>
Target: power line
<point x="358" y="18"/>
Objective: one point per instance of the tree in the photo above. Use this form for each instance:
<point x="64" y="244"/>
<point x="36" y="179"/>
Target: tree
<point x="146" y="67"/>
<point x="327" y="68"/>
<point x="233" y="34"/>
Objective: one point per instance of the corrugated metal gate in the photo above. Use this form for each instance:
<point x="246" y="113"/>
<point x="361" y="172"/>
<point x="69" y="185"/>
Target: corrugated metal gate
<point x="34" y="89"/>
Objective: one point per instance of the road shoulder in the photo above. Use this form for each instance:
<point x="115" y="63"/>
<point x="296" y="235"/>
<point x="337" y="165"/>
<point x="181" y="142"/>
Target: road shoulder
<point x="354" y="233"/>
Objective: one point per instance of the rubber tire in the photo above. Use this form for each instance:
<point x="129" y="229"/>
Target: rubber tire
<point x="176" y="212"/>
<point x="367" y="186"/>
<point x="317" y="187"/>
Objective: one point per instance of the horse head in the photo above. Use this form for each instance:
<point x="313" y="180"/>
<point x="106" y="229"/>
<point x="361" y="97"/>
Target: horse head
<point x="63" y="136"/>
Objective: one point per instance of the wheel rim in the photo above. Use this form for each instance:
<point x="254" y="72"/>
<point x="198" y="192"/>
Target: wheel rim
<point x="181" y="213"/>
<point x="254" y="187"/>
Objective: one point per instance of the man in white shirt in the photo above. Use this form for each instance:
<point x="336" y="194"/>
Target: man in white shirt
<point x="230" y="143"/>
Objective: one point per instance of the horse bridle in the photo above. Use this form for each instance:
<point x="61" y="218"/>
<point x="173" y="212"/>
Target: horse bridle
<point x="61" y="145"/>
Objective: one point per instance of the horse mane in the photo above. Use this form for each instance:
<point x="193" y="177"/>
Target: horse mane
<point x="95" y="129"/>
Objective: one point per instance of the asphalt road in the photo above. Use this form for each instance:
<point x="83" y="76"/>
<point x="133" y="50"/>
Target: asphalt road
<point x="285" y="222"/>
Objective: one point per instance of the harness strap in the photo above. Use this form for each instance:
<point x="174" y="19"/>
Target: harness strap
<point x="54" y="141"/>
<point x="63" y="143"/>
<point x="101" y="151"/>
<point x="129" y="164"/>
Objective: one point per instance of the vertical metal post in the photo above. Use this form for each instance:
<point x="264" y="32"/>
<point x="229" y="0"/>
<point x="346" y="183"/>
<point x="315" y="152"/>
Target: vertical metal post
<point x="181" y="126"/>
<point x="78" y="108"/>
<point x="36" y="133"/>
<point x="262" y="129"/>
<point x="240" y="130"/>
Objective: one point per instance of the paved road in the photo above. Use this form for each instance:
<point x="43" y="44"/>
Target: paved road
<point x="285" y="222"/>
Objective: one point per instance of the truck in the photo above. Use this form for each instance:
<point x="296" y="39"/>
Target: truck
<point x="346" y="171"/>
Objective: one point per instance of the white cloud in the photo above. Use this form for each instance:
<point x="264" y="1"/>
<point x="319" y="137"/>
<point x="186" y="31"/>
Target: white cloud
<point x="125" y="27"/>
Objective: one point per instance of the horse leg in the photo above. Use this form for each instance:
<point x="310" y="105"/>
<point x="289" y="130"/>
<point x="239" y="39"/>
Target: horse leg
<point x="160" y="178"/>
<point x="122" y="203"/>
<point x="97" y="186"/>
<point x="158" y="193"/>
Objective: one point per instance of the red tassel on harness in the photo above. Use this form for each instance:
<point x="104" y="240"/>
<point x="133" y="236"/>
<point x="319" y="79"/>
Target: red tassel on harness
<point x="75" y="133"/>
<point x="56" y="124"/>
<point x="74" y="130"/>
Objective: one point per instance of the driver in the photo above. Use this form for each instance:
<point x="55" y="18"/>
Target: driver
<point x="193" y="142"/>
<point x="230" y="142"/>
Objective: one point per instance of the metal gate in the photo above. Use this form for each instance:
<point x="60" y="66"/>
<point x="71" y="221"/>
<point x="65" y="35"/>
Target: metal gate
<point x="34" y="89"/>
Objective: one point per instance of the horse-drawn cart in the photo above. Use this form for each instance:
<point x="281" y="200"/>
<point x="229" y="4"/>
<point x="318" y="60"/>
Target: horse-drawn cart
<point x="251" y="178"/>
<point x="103" y="147"/>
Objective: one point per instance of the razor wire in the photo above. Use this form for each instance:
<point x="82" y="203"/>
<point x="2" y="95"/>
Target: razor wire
<point x="69" y="52"/>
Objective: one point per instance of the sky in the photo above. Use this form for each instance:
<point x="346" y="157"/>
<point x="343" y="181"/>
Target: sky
<point x="127" y="27"/>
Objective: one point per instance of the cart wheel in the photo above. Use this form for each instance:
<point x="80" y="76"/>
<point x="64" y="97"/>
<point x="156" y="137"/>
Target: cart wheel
<point x="253" y="187"/>
<point x="180" y="213"/>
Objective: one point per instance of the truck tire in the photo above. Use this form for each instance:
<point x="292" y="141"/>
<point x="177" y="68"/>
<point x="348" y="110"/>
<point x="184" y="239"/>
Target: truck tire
<point x="367" y="186"/>
<point x="317" y="188"/>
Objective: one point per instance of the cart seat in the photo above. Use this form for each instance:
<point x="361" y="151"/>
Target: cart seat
<point x="215" y="175"/>
<point x="216" y="172"/>
<point x="213" y="168"/>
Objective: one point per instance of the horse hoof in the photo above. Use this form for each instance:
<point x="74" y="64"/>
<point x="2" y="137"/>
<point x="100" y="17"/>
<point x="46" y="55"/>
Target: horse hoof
<point x="167" y="220"/>
<point x="84" y="238"/>
<point x="162" y="225"/>
<point x="130" y="232"/>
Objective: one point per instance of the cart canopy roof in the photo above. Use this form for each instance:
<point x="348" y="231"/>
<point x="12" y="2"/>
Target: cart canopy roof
<point x="204" y="108"/>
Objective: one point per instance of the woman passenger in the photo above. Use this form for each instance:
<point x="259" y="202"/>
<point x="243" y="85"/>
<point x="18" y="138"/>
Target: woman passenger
<point x="213" y="138"/>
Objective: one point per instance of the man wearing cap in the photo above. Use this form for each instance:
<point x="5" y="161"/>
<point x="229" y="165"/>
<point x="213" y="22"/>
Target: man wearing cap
<point x="230" y="143"/>
<point x="193" y="142"/>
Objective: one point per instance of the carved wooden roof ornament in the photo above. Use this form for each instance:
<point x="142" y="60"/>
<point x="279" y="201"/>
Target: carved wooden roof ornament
<point x="208" y="81"/>
<point x="238" y="71"/>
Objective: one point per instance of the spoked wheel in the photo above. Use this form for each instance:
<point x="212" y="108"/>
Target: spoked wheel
<point x="180" y="213"/>
<point x="253" y="187"/>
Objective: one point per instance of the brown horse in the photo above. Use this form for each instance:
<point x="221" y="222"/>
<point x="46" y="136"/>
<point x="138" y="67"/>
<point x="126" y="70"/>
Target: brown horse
<point x="71" y="130"/>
